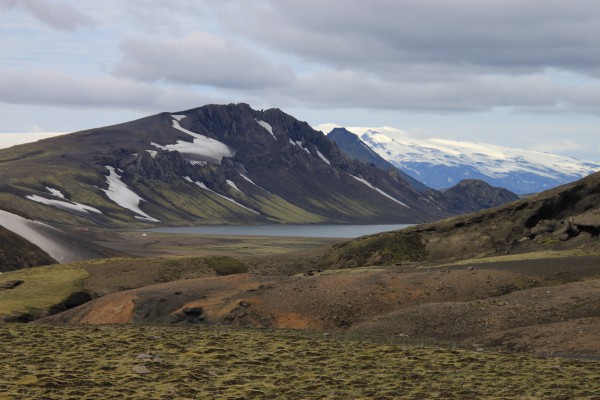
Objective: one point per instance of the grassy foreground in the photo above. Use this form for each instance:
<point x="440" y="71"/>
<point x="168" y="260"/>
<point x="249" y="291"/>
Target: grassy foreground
<point x="58" y="362"/>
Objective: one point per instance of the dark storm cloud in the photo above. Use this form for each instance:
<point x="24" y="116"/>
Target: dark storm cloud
<point x="57" y="15"/>
<point x="200" y="59"/>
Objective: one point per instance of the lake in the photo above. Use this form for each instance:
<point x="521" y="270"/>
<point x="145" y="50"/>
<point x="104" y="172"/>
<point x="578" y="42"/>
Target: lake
<point x="326" y="231"/>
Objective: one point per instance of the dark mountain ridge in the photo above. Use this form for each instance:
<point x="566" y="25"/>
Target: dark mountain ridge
<point x="466" y="196"/>
<point x="214" y="164"/>
<point x="563" y="218"/>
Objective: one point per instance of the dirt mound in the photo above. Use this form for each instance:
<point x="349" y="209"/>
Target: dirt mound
<point x="494" y="304"/>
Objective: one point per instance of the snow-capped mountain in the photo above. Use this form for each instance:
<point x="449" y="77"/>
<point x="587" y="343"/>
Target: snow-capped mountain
<point x="441" y="163"/>
<point x="216" y="164"/>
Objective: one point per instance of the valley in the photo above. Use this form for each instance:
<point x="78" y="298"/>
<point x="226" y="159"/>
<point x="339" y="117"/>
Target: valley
<point x="479" y="277"/>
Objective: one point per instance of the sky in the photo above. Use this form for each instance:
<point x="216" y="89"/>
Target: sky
<point x="519" y="73"/>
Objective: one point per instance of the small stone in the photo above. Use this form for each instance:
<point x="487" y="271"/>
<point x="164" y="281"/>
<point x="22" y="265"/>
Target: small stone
<point x="144" y="356"/>
<point x="140" y="369"/>
<point x="11" y="284"/>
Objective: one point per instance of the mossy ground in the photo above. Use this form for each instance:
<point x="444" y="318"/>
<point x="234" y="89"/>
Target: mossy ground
<point x="42" y="288"/>
<point x="80" y="362"/>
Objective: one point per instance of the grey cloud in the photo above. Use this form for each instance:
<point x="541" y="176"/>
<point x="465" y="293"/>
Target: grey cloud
<point x="507" y="34"/>
<point x="53" y="13"/>
<point x="200" y="59"/>
<point x="51" y="88"/>
<point x="349" y="89"/>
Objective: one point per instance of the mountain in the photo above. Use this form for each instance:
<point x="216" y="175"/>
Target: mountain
<point x="466" y="196"/>
<point x="441" y="163"/>
<point x="356" y="149"/>
<point x="562" y="218"/>
<point x="217" y="164"/>
<point x="472" y="195"/>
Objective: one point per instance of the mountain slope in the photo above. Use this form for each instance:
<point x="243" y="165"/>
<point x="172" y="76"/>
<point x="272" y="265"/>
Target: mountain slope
<point x="16" y="252"/>
<point x="209" y="165"/>
<point x="563" y="218"/>
<point x="356" y="149"/>
<point x="440" y="163"/>
<point x="472" y="195"/>
<point x="466" y="196"/>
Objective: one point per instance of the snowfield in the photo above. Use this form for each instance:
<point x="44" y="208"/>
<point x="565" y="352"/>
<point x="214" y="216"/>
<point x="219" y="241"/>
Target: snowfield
<point x="399" y="147"/>
<point x="201" y="149"/>
<point x="441" y="163"/>
<point x="123" y="196"/>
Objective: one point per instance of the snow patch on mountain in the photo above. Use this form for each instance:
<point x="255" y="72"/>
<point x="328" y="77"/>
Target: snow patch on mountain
<point x="203" y="186"/>
<point x="300" y="144"/>
<point x="123" y="196"/>
<point x="267" y="126"/>
<point x="233" y="185"/>
<point x="252" y="182"/>
<point x="441" y="163"/>
<point x="379" y="190"/>
<point x="322" y="157"/>
<point x="63" y="205"/>
<point x="55" y="192"/>
<point x="200" y="149"/>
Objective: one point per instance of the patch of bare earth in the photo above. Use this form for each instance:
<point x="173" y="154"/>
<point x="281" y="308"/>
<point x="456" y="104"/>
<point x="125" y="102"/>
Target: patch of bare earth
<point x="542" y="306"/>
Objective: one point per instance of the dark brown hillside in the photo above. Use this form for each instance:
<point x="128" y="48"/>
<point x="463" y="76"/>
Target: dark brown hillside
<point x="16" y="252"/>
<point x="565" y="217"/>
<point x="217" y="164"/>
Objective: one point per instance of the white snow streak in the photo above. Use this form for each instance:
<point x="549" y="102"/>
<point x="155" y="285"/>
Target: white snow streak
<point x="267" y="126"/>
<point x="178" y="117"/>
<point x="40" y="234"/>
<point x="301" y="145"/>
<point x="252" y="182"/>
<point x="55" y="192"/>
<point x="64" y="205"/>
<point x="379" y="190"/>
<point x="233" y="185"/>
<point x="123" y="196"/>
<point x="153" y="153"/>
<point x="323" y="157"/>
<point x="203" y="186"/>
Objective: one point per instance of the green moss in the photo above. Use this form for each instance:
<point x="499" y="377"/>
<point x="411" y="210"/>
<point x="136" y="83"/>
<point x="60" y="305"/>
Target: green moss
<point x="381" y="249"/>
<point x="60" y="362"/>
<point x="42" y="288"/>
<point x="226" y="265"/>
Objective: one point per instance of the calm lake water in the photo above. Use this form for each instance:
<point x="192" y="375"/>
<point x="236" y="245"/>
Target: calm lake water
<point x="328" y="231"/>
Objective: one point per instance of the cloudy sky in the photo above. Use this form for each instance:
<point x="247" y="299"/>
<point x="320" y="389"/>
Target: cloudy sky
<point x="522" y="73"/>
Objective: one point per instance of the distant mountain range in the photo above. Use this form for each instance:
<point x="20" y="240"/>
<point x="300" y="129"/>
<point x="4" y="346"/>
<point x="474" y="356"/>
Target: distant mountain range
<point x="442" y="163"/>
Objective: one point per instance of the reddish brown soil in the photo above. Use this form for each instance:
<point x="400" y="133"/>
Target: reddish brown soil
<point x="543" y="306"/>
